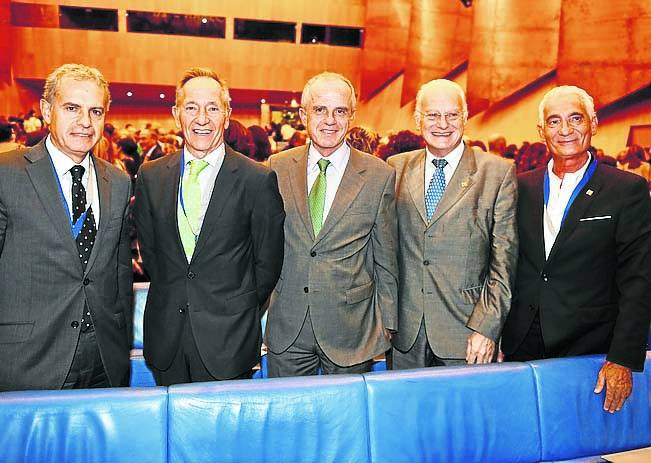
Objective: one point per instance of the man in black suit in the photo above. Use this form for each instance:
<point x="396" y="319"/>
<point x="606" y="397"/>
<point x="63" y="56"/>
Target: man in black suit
<point x="210" y="224"/>
<point x="584" y="268"/>
<point x="65" y="262"/>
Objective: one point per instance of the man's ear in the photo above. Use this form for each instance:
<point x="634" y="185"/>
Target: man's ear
<point x="46" y="110"/>
<point x="303" y="115"/>
<point x="175" y="113"/>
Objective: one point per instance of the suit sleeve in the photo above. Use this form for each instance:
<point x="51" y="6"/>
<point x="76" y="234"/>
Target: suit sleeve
<point x="384" y="238"/>
<point x="492" y="308"/>
<point x="125" y="270"/>
<point x="145" y="226"/>
<point x="267" y="222"/>
<point x="3" y="224"/>
<point x="633" y="278"/>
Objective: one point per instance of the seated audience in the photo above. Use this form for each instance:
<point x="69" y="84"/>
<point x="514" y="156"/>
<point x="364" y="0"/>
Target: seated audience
<point x="365" y="140"/>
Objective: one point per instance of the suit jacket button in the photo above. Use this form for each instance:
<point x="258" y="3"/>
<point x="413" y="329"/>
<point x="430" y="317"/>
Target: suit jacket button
<point x="86" y="281"/>
<point x="313" y="254"/>
<point x="306" y="290"/>
<point x="75" y="324"/>
<point x="191" y="275"/>
<point x="426" y="262"/>
<point x="181" y="309"/>
<point x="544" y="277"/>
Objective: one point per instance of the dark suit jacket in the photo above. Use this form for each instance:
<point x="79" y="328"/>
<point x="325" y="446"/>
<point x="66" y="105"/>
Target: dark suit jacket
<point x="234" y="268"/>
<point x="593" y="290"/>
<point x="43" y="287"/>
<point x="347" y="274"/>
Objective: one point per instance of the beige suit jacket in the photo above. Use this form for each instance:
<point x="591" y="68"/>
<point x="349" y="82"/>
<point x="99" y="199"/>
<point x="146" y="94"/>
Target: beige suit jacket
<point x="347" y="275"/>
<point x="457" y="269"/>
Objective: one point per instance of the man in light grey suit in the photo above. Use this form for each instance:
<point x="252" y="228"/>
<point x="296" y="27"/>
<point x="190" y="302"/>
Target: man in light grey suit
<point x="335" y="304"/>
<point x="65" y="261"/>
<point x="458" y="240"/>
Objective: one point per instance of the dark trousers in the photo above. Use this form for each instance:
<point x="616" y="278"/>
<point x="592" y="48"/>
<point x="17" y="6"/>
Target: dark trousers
<point x="420" y="355"/>
<point x="304" y="358"/>
<point x="87" y="369"/>
<point x="532" y="346"/>
<point x="187" y="366"/>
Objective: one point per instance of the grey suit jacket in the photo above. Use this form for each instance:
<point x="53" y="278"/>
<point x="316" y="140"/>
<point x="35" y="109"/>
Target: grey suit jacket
<point x="456" y="270"/>
<point x="43" y="287"/>
<point x="347" y="275"/>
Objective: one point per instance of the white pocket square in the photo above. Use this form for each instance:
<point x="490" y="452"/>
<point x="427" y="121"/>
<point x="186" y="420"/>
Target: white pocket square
<point x="601" y="217"/>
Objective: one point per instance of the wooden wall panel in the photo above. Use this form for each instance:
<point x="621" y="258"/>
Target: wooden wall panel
<point x="385" y="43"/>
<point x="439" y="41"/>
<point x="512" y="46"/>
<point x="605" y="47"/>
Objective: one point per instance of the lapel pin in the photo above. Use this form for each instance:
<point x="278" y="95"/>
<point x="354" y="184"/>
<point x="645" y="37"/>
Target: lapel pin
<point x="589" y="192"/>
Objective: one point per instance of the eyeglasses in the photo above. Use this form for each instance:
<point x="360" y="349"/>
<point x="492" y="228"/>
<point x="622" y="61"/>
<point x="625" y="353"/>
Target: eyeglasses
<point x="436" y="117"/>
<point x="211" y="110"/>
<point x="575" y="120"/>
<point x="337" y="113"/>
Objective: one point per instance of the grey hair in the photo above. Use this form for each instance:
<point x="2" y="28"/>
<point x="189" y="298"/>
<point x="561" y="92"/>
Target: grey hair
<point x="584" y="97"/>
<point x="203" y="72"/>
<point x="306" y="96"/>
<point x="79" y="72"/>
<point x="440" y="83"/>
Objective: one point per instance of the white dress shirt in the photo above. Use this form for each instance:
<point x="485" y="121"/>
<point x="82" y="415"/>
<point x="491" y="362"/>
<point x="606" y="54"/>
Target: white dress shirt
<point x="334" y="172"/>
<point x="62" y="165"/>
<point x="560" y="192"/>
<point x="207" y="177"/>
<point x="453" y="158"/>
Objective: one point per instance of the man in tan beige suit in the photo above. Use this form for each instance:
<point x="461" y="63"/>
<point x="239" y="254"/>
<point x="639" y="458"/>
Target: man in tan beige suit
<point x="335" y="304"/>
<point x="458" y="240"/>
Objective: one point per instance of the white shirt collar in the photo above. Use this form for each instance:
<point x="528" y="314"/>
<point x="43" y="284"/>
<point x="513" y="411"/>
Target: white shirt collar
<point x="213" y="158"/>
<point x="338" y="159"/>
<point x="568" y="177"/>
<point x="453" y="157"/>
<point x="62" y="162"/>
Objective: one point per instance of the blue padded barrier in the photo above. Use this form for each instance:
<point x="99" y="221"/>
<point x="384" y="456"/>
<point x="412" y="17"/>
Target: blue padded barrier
<point x="139" y="299"/>
<point x="141" y="375"/>
<point x="572" y="421"/>
<point x="95" y="425"/>
<point x="456" y="414"/>
<point x="315" y="419"/>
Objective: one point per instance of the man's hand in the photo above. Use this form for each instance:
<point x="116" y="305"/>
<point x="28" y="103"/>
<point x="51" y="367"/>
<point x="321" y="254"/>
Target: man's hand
<point x="480" y="349"/>
<point x="388" y="334"/>
<point x="618" y="381"/>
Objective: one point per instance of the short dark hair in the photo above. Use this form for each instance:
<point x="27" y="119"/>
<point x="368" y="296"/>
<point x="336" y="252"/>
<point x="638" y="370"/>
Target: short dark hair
<point x="6" y="131"/>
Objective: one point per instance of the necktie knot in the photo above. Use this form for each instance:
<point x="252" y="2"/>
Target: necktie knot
<point x="439" y="163"/>
<point x="77" y="172"/>
<point x="196" y="167"/>
<point x="323" y="165"/>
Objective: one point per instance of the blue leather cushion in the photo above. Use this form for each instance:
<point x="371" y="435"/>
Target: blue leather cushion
<point x="312" y="419"/>
<point x="141" y="375"/>
<point x="457" y="414"/>
<point x="572" y="421"/>
<point x="139" y="299"/>
<point x="93" y="425"/>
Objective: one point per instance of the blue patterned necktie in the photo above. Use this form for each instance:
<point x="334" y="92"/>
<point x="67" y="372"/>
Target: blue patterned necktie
<point x="436" y="188"/>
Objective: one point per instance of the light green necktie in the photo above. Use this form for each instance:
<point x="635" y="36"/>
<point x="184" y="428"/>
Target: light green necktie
<point x="316" y="198"/>
<point x="189" y="222"/>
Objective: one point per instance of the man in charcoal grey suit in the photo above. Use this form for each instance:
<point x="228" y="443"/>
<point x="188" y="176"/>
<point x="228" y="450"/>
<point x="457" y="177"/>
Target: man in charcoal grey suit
<point x="458" y="239"/>
<point x="334" y="306"/>
<point x="65" y="260"/>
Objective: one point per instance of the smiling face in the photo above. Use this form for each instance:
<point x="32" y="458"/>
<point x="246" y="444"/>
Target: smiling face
<point x="75" y="117"/>
<point x="201" y="115"/>
<point x="327" y="114"/>
<point x="567" y="128"/>
<point x="441" y="119"/>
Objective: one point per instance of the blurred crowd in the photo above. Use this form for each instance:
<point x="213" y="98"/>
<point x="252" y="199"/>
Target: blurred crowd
<point x="129" y="147"/>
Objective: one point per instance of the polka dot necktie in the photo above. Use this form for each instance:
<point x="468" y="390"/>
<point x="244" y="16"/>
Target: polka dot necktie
<point x="86" y="237"/>
<point x="316" y="198"/>
<point x="436" y="188"/>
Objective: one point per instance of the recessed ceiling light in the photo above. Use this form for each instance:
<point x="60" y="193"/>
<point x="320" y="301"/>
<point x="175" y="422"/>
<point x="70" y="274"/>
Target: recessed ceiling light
<point x="162" y="95"/>
<point x="129" y="93"/>
<point x="263" y="101"/>
<point x="204" y="20"/>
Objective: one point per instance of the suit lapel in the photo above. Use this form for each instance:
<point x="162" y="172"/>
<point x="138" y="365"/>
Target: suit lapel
<point x="171" y="195"/>
<point x="416" y="183"/>
<point x="577" y="210"/>
<point x="298" y="181"/>
<point x="104" y="186"/>
<point x="534" y="215"/>
<point x="351" y="184"/>
<point x="224" y="184"/>
<point x="42" y="175"/>
<point x="460" y="182"/>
